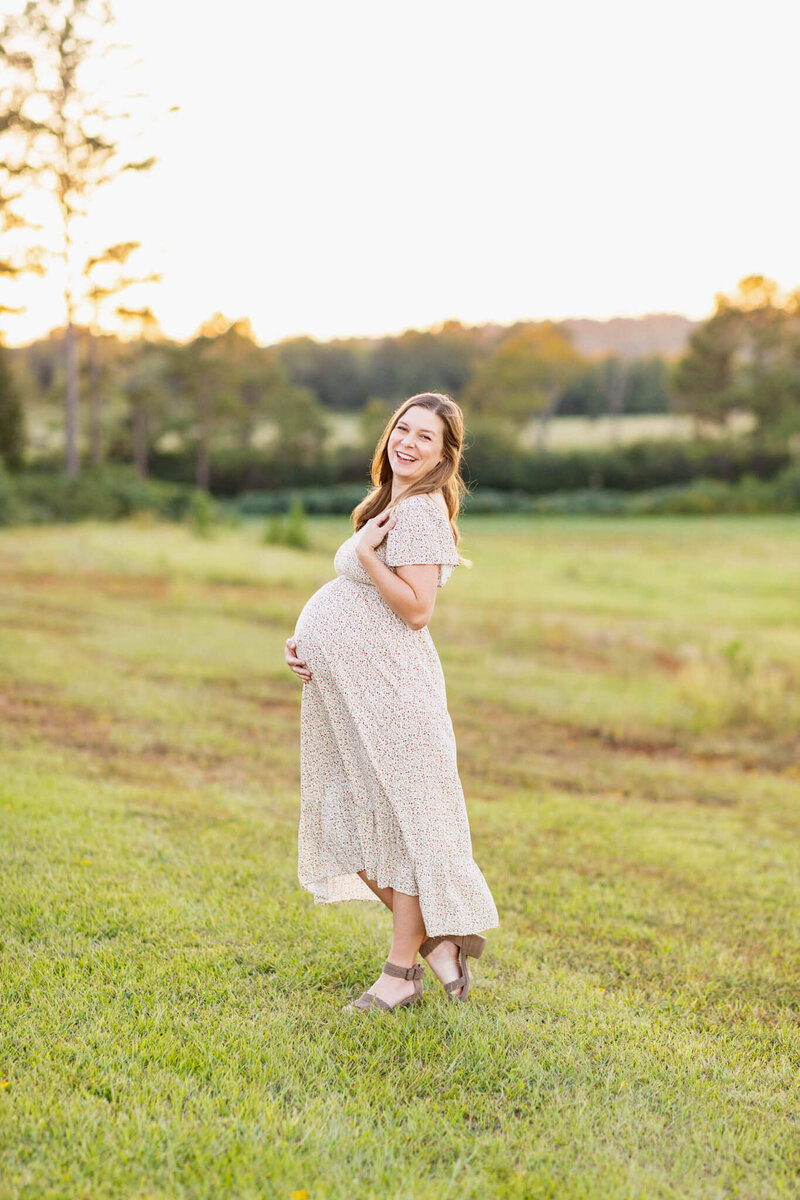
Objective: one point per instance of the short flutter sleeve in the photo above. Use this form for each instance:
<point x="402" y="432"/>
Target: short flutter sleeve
<point x="421" y="534"/>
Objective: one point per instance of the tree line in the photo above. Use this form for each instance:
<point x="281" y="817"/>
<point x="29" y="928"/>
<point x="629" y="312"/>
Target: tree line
<point x="126" y="400"/>
<point x="221" y="389"/>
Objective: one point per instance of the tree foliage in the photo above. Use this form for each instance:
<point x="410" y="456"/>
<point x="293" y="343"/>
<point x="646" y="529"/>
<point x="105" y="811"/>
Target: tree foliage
<point x="441" y="360"/>
<point x="334" y="371"/>
<point x="746" y="357"/>
<point x="12" y="423"/>
<point x="644" y="388"/>
<point x="72" y="134"/>
<point x="525" y="375"/>
<point x="227" y="383"/>
<point x="345" y="374"/>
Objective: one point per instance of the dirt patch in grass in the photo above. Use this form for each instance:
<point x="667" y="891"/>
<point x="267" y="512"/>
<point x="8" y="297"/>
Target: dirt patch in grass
<point x="122" y="586"/>
<point x="26" y="712"/>
<point x="498" y="749"/>
<point x="48" y="621"/>
<point x="33" y="715"/>
<point x="267" y="696"/>
<point x="500" y="746"/>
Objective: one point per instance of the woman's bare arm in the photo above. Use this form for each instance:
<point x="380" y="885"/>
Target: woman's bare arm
<point x="410" y="593"/>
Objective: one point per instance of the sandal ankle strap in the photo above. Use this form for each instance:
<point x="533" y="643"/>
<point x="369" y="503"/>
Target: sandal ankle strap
<point x="415" y="972"/>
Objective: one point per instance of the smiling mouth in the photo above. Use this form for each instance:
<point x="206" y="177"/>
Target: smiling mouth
<point x="404" y="458"/>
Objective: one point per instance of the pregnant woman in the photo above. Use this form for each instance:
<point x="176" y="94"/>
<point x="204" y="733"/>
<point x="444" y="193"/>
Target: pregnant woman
<point x="382" y="812"/>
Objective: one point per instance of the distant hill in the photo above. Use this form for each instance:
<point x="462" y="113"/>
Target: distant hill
<point x="631" y="337"/>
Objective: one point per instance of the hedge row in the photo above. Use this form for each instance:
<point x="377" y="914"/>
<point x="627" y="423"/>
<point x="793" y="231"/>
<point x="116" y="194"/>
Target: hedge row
<point x="749" y="494"/>
<point x="496" y="460"/>
<point x="105" y="494"/>
<point x="698" y="498"/>
<point x="635" y="467"/>
<point x="110" y="494"/>
<point x="236" y="471"/>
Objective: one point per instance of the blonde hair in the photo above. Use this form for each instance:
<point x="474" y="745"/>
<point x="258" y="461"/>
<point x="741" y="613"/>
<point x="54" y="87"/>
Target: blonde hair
<point x="444" y="477"/>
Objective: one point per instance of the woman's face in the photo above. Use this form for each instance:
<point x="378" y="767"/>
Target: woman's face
<point x="415" y="444"/>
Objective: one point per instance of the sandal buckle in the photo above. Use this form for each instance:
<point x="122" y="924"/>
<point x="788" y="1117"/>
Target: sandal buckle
<point x="410" y="973"/>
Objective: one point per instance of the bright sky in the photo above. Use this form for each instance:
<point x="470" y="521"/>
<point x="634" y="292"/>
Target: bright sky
<point x="364" y="166"/>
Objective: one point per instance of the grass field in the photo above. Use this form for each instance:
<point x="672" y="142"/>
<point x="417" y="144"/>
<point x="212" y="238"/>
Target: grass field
<point x="46" y="434"/>
<point x="626" y="699"/>
<point x="574" y="433"/>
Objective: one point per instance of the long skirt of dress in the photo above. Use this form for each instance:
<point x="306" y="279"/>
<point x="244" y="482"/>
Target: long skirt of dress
<point x="380" y="788"/>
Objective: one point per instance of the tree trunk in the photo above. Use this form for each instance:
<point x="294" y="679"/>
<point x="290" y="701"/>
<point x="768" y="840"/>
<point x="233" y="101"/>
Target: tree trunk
<point x="203" y="475"/>
<point x="616" y="400"/>
<point x="139" y="437"/>
<point x="71" y="401"/>
<point x="249" y="396"/>
<point x="246" y="430"/>
<point x="545" y="416"/>
<point x="95" y="405"/>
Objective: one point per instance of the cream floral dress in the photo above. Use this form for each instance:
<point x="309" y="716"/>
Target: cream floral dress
<point x="380" y="789"/>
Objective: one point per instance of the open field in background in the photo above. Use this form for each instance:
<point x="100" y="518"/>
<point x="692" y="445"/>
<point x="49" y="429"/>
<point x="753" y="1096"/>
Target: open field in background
<point x="626" y="699"/>
<point x="567" y="433"/>
<point x="563" y="433"/>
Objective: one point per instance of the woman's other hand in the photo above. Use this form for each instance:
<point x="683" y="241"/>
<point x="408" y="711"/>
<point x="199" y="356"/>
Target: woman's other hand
<point x="298" y="665"/>
<point x="372" y="533"/>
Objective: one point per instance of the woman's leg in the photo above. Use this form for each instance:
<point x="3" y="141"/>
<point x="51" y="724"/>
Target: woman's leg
<point x="408" y="930"/>
<point x="408" y="926"/>
<point x="385" y="894"/>
<point x="443" y="960"/>
<point x="407" y="936"/>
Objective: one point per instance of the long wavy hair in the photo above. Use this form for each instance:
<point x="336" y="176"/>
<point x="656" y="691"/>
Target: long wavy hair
<point x="444" y="477"/>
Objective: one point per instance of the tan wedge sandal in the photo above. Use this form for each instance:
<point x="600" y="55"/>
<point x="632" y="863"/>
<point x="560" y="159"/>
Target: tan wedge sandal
<point x="368" y="1000"/>
<point x="469" y="945"/>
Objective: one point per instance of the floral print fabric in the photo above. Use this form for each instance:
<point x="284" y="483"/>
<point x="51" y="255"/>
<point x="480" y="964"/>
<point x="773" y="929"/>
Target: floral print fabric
<point x="380" y="789"/>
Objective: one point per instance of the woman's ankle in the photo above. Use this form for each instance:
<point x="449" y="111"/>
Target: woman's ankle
<point x="403" y="958"/>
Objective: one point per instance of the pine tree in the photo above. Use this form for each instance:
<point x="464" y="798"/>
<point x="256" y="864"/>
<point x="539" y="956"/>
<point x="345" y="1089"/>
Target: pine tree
<point x="71" y="128"/>
<point x="12" y="421"/>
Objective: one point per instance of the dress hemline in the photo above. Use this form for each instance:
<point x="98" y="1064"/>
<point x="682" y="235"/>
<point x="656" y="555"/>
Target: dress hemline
<point x="316" y="886"/>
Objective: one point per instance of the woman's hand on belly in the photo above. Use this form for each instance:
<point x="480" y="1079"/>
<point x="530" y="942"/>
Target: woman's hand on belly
<point x="298" y="665"/>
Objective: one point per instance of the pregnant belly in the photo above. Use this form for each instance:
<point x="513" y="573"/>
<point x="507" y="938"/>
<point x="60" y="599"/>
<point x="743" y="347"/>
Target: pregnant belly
<point x="348" y="629"/>
<point x="333" y="618"/>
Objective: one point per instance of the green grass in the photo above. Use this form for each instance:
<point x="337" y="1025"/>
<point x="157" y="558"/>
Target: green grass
<point x="625" y="697"/>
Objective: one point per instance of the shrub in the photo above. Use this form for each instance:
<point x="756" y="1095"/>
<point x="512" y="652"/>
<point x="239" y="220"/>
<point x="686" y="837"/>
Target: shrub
<point x="290" y="530"/>
<point x="201" y="514"/>
<point x="103" y="493"/>
<point x="703" y="496"/>
<point x="273" y="531"/>
<point x="338" y="500"/>
<point x="787" y="488"/>
<point x="235" y="471"/>
<point x="106" y="493"/>
<point x="643" y="465"/>
<point x="296" y="530"/>
<point x="587" y="500"/>
<point x="12" y="509"/>
<point x="710" y="496"/>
